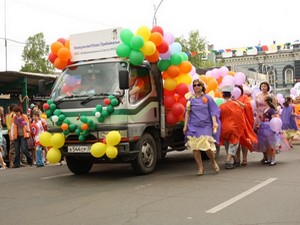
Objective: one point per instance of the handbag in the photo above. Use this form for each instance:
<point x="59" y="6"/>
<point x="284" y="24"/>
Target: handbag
<point x="31" y="143"/>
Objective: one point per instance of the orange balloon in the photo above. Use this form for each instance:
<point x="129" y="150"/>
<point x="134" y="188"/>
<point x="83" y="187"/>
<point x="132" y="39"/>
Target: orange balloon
<point x="232" y="73"/>
<point x="203" y="78"/>
<point x="64" y="54"/>
<point x="55" y="46"/>
<point x="84" y="126"/>
<point x="218" y="94"/>
<point x="156" y="38"/>
<point x="153" y="58"/>
<point x="173" y="71"/>
<point x="185" y="67"/>
<point x="67" y="44"/>
<point x="212" y="84"/>
<point x="220" y="80"/>
<point x="165" y="75"/>
<point x="64" y="126"/>
<point x="60" y="64"/>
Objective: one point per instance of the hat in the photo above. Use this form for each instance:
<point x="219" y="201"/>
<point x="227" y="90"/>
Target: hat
<point x="227" y="88"/>
<point x="31" y="105"/>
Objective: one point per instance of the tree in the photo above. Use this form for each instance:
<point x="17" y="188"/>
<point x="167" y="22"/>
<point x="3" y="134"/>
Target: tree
<point x="196" y="47"/>
<point x="35" y="55"/>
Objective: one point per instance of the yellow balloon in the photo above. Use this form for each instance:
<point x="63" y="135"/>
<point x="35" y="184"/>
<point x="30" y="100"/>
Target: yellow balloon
<point x="53" y="155"/>
<point x="44" y="115"/>
<point x="149" y="48"/>
<point x="184" y="78"/>
<point x="57" y="140"/>
<point x="144" y="32"/>
<point x="45" y="138"/>
<point x="113" y="138"/>
<point x="111" y="152"/>
<point x="98" y="149"/>
<point x="170" y="84"/>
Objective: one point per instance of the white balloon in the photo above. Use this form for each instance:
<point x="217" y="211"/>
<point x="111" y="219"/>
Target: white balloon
<point x="97" y="114"/>
<point x="54" y="118"/>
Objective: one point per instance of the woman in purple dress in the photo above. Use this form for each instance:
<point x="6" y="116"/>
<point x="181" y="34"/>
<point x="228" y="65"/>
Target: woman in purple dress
<point x="201" y="125"/>
<point x="289" y="125"/>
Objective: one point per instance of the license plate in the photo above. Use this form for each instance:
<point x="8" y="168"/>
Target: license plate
<point x="79" y="149"/>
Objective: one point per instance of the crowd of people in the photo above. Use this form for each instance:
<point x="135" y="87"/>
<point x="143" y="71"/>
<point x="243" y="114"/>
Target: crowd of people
<point x="238" y="125"/>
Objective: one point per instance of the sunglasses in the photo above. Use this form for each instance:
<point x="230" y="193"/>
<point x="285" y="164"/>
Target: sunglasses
<point x="197" y="85"/>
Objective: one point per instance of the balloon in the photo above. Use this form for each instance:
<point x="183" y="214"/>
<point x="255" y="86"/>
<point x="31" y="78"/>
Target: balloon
<point x="163" y="47"/>
<point x="153" y="58"/>
<point x="170" y="84"/>
<point x="72" y="127"/>
<point x="54" y="118"/>
<point x="144" y="32"/>
<point x="173" y="71"/>
<point x="169" y="93"/>
<point x="156" y="38"/>
<point x="228" y="80"/>
<point x="171" y="119"/>
<point x="45" y="138"/>
<point x="136" y="42"/>
<point x="275" y="124"/>
<point x="126" y="36"/>
<point x="182" y="89"/>
<point x="99" y="108"/>
<point x="176" y="59"/>
<point x="60" y="64"/>
<point x="57" y="140"/>
<point x="239" y="78"/>
<point x="236" y="93"/>
<point x="223" y="71"/>
<point x="169" y="101"/>
<point x="215" y="73"/>
<point x="166" y="55"/>
<point x="106" y="101"/>
<point x="219" y="101"/>
<point x="182" y="100"/>
<point x="184" y="78"/>
<point x="136" y="57"/>
<point x="55" y="46"/>
<point x="53" y="155"/>
<point x="64" y="54"/>
<point x="83" y="119"/>
<point x="97" y="114"/>
<point x="163" y="64"/>
<point x="149" y="48"/>
<point x="204" y="78"/>
<point x="157" y="29"/>
<point x="212" y="84"/>
<point x="52" y="57"/>
<point x="46" y="106"/>
<point x="62" y="40"/>
<point x="61" y="117"/>
<point x="84" y="126"/>
<point x="113" y="138"/>
<point x="123" y="50"/>
<point x="185" y="67"/>
<point x="175" y="48"/>
<point x="67" y="44"/>
<point x="64" y="126"/>
<point x="169" y="38"/>
<point x="111" y="152"/>
<point x="98" y="149"/>
<point x="177" y="109"/>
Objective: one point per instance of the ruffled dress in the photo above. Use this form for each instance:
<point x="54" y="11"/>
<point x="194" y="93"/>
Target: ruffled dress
<point x="199" y="135"/>
<point x="289" y="125"/>
<point x="268" y="139"/>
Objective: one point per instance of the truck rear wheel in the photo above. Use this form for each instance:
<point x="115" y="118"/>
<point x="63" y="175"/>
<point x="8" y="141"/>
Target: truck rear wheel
<point x="145" y="161"/>
<point x="79" y="165"/>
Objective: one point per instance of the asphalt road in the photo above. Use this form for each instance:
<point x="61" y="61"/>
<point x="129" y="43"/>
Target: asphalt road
<point x="172" y="195"/>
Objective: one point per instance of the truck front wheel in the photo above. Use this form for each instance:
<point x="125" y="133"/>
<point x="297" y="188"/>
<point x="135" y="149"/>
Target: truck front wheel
<point x="79" y="165"/>
<point x="145" y="161"/>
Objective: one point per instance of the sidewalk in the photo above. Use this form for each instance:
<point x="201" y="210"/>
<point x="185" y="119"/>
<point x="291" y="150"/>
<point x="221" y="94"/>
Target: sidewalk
<point x="296" y="140"/>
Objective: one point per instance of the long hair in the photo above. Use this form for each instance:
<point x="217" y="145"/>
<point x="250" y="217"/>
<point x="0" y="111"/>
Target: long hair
<point x="198" y="81"/>
<point x="269" y="101"/>
<point x="287" y="101"/>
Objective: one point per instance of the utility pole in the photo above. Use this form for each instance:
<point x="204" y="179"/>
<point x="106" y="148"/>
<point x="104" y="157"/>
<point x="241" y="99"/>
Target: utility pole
<point x="154" y="23"/>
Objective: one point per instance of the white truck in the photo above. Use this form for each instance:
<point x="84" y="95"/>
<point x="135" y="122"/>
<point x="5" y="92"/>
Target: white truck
<point x="83" y="89"/>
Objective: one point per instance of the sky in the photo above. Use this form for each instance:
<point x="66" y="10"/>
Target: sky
<point x="223" y="23"/>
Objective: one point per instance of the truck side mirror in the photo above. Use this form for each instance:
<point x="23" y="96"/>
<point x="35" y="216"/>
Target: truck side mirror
<point x="123" y="79"/>
<point x="42" y="87"/>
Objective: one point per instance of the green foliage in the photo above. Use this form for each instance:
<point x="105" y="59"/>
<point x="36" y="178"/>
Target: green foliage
<point x="196" y="46"/>
<point x="35" y="55"/>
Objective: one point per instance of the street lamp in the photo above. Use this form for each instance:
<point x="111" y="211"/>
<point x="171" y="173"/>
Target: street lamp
<point x="154" y="23"/>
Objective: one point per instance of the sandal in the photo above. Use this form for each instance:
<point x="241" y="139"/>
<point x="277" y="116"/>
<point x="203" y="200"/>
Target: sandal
<point x="244" y="163"/>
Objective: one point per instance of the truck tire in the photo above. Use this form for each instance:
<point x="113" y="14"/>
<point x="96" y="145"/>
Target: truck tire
<point x="145" y="161"/>
<point x="79" y="165"/>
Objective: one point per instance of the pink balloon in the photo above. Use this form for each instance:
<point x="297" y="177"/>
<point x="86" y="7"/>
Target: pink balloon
<point x="208" y="73"/>
<point x="166" y="55"/>
<point x="236" y="93"/>
<point x="223" y="71"/>
<point x="193" y="71"/>
<point x="239" y="78"/>
<point x="215" y="73"/>
<point x="169" y="37"/>
<point x="228" y="80"/>
<point x="275" y="124"/>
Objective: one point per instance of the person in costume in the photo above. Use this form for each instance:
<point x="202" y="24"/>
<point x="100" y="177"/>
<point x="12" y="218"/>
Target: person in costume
<point x="269" y="141"/>
<point x="233" y="125"/>
<point x="201" y="125"/>
<point x="289" y="125"/>
<point x="249" y="137"/>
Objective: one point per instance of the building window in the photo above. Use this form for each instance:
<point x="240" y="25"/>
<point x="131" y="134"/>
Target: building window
<point x="288" y="76"/>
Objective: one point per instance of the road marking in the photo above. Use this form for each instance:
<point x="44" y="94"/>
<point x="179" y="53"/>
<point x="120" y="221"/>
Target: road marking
<point x="240" y="196"/>
<point x="61" y="175"/>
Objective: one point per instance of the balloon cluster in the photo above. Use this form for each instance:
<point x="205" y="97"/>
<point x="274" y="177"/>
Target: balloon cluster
<point x="55" y="142"/>
<point x="60" y="54"/>
<point x="112" y="139"/>
<point x="101" y="113"/>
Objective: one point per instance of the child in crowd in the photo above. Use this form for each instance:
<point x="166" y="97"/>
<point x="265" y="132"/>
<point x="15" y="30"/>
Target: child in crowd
<point x="2" y="152"/>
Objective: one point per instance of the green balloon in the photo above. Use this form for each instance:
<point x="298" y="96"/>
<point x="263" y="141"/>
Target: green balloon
<point x="90" y="122"/>
<point x="85" y="133"/>
<point x="83" y="119"/>
<point x="110" y="109"/>
<point x="176" y="59"/>
<point x="61" y="117"/>
<point x="58" y="123"/>
<point x="48" y="113"/>
<point x="57" y="112"/>
<point x="123" y="50"/>
<point x="99" y="108"/>
<point x="104" y="114"/>
<point x="72" y="127"/>
<point x="111" y="97"/>
<point x="81" y="138"/>
<point x="114" y="102"/>
<point x="52" y="107"/>
<point x="163" y="65"/>
<point x="136" y="42"/>
<point x="49" y="101"/>
<point x="66" y="120"/>
<point x="184" y="56"/>
<point x="126" y="36"/>
<point x="77" y="131"/>
<point x="219" y="101"/>
<point x="136" y="57"/>
<point x="66" y="132"/>
<point x="100" y="119"/>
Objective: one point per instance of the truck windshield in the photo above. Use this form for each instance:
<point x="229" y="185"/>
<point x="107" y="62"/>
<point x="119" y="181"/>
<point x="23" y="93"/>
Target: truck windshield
<point x="88" y="79"/>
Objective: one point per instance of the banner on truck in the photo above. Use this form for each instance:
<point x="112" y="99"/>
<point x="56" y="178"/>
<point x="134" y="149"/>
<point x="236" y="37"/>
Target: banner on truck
<point x="94" y="45"/>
